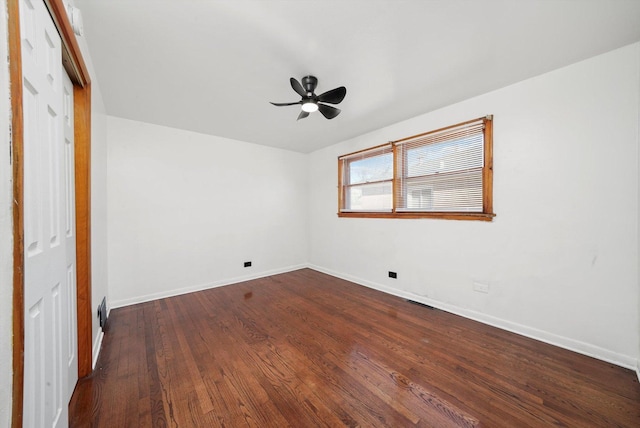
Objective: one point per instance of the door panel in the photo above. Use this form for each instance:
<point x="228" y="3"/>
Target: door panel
<point x="49" y="259"/>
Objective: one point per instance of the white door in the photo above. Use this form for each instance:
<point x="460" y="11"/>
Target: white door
<point x="71" y="309"/>
<point x="49" y="290"/>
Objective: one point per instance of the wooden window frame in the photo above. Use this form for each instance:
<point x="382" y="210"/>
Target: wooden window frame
<point x="487" y="213"/>
<point x="366" y="153"/>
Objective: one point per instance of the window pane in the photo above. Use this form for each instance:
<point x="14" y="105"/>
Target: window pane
<point x="369" y="197"/>
<point x="420" y="197"/>
<point x="374" y="168"/>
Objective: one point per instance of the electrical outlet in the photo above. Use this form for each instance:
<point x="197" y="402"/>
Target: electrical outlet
<point x="480" y="287"/>
<point x="247" y="264"/>
<point x="393" y="275"/>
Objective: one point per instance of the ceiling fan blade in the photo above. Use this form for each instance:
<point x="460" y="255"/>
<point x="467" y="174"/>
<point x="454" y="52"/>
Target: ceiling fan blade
<point x="302" y="115"/>
<point x="285" y="104"/>
<point x="328" y="111"/>
<point x="334" y="96"/>
<point x="298" y="87"/>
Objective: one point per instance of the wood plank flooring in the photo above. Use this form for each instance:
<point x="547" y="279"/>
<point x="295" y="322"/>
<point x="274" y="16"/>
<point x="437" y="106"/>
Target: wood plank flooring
<point x="304" y="349"/>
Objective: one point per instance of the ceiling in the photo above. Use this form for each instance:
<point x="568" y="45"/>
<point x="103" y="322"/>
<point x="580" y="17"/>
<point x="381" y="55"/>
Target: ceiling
<point x="213" y="66"/>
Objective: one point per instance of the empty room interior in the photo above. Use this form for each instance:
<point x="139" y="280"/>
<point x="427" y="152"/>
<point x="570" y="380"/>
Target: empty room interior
<point x="321" y="213"/>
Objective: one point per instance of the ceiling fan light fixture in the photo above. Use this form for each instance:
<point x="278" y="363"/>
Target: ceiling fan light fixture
<point x="309" y="106"/>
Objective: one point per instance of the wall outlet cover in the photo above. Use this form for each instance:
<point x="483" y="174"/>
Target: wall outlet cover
<point x="480" y="287"/>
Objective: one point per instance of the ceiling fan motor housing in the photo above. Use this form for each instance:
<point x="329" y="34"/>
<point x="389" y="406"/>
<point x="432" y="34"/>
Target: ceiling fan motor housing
<point x="309" y="83"/>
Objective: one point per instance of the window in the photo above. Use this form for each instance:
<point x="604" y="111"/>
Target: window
<point x="369" y="180"/>
<point x="446" y="173"/>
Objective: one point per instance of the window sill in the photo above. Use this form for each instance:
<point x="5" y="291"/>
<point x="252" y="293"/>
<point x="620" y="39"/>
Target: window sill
<point x="444" y="216"/>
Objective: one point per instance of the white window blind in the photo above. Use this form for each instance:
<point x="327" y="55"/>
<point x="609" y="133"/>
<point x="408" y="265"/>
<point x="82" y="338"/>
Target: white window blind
<point x="367" y="180"/>
<point x="441" y="171"/>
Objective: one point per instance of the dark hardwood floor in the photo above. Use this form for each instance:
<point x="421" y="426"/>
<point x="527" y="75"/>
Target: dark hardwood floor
<point x="304" y="349"/>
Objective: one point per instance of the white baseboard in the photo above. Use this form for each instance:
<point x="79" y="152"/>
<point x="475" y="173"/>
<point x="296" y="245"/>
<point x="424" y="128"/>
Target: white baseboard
<point x="170" y="293"/>
<point x="533" y="333"/>
<point x="97" y="345"/>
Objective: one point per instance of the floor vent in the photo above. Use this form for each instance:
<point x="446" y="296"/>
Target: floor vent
<point x="102" y="313"/>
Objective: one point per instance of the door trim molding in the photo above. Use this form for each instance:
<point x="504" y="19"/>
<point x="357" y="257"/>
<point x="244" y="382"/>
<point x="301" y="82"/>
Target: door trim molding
<point x="77" y="70"/>
<point x="15" y="77"/>
<point x="82" y="155"/>
<point x="71" y="55"/>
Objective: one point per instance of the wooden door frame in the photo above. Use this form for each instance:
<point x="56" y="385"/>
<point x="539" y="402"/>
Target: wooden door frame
<point x="76" y="68"/>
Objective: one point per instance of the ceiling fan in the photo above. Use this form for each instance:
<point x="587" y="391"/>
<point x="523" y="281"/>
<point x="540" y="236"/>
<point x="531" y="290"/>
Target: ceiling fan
<point x="311" y="102"/>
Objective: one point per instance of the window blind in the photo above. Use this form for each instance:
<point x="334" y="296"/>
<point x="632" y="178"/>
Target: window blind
<point x="441" y="171"/>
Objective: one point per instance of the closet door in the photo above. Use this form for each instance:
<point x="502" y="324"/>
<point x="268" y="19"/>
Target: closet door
<point x="49" y="289"/>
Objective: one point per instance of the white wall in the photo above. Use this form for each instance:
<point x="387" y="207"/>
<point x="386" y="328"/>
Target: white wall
<point x="561" y="257"/>
<point x="186" y="210"/>
<point x="6" y="231"/>
<point x="638" y="232"/>
<point x="99" y="256"/>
